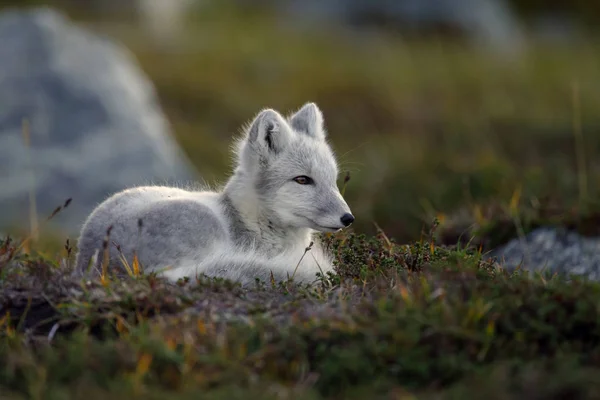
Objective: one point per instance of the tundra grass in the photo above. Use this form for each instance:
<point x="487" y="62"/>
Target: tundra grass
<point x="417" y="320"/>
<point x="491" y="145"/>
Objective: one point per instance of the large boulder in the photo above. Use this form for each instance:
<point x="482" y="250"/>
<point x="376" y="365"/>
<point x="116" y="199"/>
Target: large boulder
<point x="95" y="124"/>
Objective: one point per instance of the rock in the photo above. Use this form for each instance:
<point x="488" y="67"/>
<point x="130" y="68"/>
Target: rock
<point x="95" y="124"/>
<point x="553" y="250"/>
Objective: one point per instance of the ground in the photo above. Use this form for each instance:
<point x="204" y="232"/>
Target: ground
<point x="490" y="145"/>
<point x="402" y="320"/>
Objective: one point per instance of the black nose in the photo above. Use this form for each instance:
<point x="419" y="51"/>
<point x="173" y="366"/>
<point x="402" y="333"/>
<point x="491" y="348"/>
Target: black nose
<point x="347" y="219"/>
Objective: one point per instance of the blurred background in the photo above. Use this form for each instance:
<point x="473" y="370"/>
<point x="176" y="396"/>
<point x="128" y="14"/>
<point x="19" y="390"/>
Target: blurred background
<point x="436" y="108"/>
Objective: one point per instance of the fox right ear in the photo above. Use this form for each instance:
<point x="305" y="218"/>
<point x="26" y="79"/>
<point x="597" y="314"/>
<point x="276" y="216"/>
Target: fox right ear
<point x="269" y="132"/>
<point x="309" y="120"/>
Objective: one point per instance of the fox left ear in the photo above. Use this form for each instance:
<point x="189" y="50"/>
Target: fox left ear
<point x="309" y="120"/>
<point x="269" y="133"/>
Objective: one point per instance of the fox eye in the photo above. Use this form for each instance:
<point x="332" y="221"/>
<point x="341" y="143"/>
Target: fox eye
<point x="303" y="180"/>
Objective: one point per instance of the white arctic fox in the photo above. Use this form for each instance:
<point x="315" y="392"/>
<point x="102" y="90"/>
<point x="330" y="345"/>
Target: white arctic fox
<point x="283" y="189"/>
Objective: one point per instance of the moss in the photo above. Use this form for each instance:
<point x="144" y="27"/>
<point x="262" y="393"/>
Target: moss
<point x="428" y="129"/>
<point x="422" y="317"/>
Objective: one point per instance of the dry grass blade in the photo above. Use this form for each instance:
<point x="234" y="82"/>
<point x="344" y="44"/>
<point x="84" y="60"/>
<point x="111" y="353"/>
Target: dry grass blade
<point x="123" y="259"/>
<point x="32" y="235"/>
<point x="137" y="270"/>
<point x="346" y="180"/>
<point x="306" y="250"/>
<point x="105" y="257"/>
<point x="33" y="217"/>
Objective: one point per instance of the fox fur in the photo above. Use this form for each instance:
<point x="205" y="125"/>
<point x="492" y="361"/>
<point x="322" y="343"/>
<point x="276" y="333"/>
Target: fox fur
<point x="283" y="190"/>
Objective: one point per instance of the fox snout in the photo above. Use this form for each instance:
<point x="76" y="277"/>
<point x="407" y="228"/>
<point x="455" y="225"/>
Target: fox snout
<point x="347" y="219"/>
<point x="333" y="215"/>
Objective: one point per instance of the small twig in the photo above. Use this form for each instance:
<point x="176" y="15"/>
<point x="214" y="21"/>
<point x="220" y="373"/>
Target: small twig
<point x="31" y="235"/>
<point x="306" y="250"/>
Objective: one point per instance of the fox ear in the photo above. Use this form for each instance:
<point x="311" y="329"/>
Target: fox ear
<point x="309" y="120"/>
<point x="269" y="133"/>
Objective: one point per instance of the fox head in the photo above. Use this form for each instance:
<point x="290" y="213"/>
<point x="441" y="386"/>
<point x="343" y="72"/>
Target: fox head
<point x="293" y="170"/>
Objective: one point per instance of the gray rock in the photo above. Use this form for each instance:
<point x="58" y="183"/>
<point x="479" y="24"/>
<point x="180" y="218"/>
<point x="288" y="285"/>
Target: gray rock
<point x="95" y="125"/>
<point x="552" y="250"/>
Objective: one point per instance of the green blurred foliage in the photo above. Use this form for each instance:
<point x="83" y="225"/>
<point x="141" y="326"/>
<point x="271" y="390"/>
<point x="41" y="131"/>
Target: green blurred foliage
<point x="582" y="11"/>
<point x="424" y="126"/>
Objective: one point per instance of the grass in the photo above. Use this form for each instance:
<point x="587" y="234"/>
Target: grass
<point x="426" y="320"/>
<point x="426" y="127"/>
<point x="489" y="145"/>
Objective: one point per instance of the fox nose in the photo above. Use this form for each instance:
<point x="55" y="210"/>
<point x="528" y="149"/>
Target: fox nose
<point x="347" y="219"/>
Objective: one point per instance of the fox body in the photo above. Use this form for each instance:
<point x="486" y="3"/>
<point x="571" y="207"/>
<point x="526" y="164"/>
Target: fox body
<point x="282" y="191"/>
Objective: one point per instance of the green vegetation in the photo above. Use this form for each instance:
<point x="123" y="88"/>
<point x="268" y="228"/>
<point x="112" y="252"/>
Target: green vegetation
<point x="424" y="127"/>
<point x="492" y="145"/>
<point x="430" y="321"/>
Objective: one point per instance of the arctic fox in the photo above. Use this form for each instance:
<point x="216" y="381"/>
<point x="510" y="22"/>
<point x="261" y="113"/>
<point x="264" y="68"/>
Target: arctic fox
<point x="282" y="191"/>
